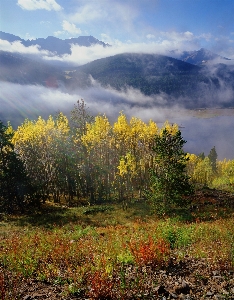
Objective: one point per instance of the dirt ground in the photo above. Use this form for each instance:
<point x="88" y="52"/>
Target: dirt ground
<point x="184" y="279"/>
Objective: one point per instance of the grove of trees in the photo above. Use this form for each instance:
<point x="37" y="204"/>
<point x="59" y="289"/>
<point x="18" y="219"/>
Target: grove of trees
<point x="90" y="159"/>
<point x="87" y="158"/>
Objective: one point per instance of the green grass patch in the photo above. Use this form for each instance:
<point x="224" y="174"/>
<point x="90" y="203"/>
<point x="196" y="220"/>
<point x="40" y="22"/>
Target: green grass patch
<point x="86" y="246"/>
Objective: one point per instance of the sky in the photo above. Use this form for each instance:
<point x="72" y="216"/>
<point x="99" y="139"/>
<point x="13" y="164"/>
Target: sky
<point x="156" y="26"/>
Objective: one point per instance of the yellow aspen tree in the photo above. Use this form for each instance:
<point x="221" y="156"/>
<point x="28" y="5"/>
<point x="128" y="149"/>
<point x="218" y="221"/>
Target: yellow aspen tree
<point x="191" y="164"/>
<point x="225" y="175"/>
<point x="120" y="142"/>
<point x="39" y="145"/>
<point x="97" y="142"/>
<point x="121" y="131"/>
<point x="150" y="132"/>
<point x="203" y="173"/>
<point x="171" y="128"/>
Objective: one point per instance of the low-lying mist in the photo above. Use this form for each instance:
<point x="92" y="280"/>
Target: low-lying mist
<point x="18" y="102"/>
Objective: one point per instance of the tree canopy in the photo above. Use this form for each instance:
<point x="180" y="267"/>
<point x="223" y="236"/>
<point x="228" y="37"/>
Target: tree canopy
<point x="89" y="159"/>
<point x="14" y="183"/>
<point x="169" y="181"/>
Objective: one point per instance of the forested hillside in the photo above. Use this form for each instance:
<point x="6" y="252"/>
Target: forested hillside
<point x="169" y="81"/>
<point x="20" y="69"/>
<point x="151" y="74"/>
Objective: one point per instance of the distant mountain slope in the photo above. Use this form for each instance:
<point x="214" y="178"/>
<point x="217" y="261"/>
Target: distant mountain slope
<point x="178" y="82"/>
<point x="60" y="47"/>
<point x="183" y="83"/>
<point x="9" y="37"/>
<point x="19" y="69"/>
<point x="150" y="73"/>
<point x="201" y="57"/>
<point x="54" y="44"/>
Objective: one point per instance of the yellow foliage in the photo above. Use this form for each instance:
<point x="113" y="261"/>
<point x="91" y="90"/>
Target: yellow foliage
<point x="122" y="167"/>
<point x="127" y="165"/>
<point x="172" y="129"/>
<point x="9" y="129"/>
<point x="136" y="128"/>
<point x="191" y="164"/>
<point x="62" y="123"/>
<point x="225" y="178"/>
<point x="203" y="172"/>
<point x="97" y="132"/>
<point x="41" y="132"/>
<point x="121" y="128"/>
<point x="151" y="129"/>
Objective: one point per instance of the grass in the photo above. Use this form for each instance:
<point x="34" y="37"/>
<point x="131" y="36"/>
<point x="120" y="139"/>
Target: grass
<point x="95" y="246"/>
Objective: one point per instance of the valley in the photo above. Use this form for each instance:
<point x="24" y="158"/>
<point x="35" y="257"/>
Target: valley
<point x="83" y="224"/>
<point x="116" y="150"/>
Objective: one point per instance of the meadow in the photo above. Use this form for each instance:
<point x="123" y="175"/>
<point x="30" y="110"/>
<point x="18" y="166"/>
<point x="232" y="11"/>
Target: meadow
<point x="102" y="211"/>
<point x="107" y="252"/>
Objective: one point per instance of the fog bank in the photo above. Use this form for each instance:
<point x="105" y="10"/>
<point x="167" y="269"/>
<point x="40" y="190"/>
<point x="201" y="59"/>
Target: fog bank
<point x="18" y="102"/>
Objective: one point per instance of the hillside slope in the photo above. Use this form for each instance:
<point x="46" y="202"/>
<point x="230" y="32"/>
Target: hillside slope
<point x="179" y="82"/>
<point x="19" y="69"/>
<point x="153" y="74"/>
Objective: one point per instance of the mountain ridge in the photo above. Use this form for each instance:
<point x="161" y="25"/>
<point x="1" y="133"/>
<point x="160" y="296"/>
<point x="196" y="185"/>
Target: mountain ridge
<point x="63" y="46"/>
<point x="201" y="57"/>
<point x="177" y="79"/>
<point x="54" y="44"/>
<point x="152" y="74"/>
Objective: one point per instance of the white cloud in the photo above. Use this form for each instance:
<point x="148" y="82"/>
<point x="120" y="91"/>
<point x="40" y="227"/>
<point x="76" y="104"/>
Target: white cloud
<point x="116" y="16"/>
<point x="17" y="46"/>
<point x="59" y="32"/>
<point x="88" y="13"/>
<point x="188" y="35"/>
<point x="81" y="55"/>
<point x="111" y="41"/>
<point x="34" y="102"/>
<point x="46" y="23"/>
<point x="224" y="47"/>
<point x="206" y="36"/>
<point x="28" y="36"/>
<point x="68" y="28"/>
<point x="161" y="45"/>
<point x="150" y="36"/>
<point x="39" y="4"/>
<point x="177" y="36"/>
<point x="19" y="102"/>
<point x="106" y="38"/>
<point x="26" y="101"/>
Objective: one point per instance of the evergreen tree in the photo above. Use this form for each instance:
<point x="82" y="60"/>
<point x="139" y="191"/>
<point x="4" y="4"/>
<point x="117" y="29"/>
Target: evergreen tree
<point x="213" y="159"/>
<point x="14" y="183"/>
<point x="201" y="155"/>
<point x="168" y="181"/>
